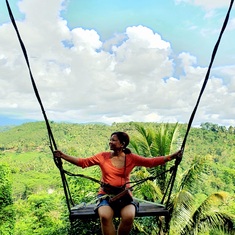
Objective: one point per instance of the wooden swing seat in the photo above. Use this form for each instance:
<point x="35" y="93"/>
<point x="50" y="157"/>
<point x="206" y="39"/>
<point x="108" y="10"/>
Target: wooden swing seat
<point x="145" y="209"/>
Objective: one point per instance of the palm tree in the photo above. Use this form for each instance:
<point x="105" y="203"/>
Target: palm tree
<point x="152" y="142"/>
<point x="207" y="216"/>
<point x="188" y="217"/>
<point x="185" y="218"/>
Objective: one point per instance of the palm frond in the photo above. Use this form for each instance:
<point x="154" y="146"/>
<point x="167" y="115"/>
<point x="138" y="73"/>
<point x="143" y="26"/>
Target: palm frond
<point x="180" y="208"/>
<point x="213" y="221"/>
<point x="218" y="220"/>
<point x="194" y="173"/>
<point x="208" y="216"/>
<point x="165" y="138"/>
<point x="141" y="141"/>
<point x="209" y="204"/>
<point x="154" y="142"/>
<point x="174" y="135"/>
<point x="134" y="146"/>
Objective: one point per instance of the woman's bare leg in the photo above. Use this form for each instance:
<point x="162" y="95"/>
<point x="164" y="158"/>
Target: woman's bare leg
<point x="127" y="219"/>
<point x="106" y="220"/>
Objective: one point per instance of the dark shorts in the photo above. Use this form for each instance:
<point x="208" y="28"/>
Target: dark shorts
<point x="105" y="202"/>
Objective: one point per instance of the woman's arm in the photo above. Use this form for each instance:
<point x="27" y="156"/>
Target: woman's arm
<point x="137" y="160"/>
<point x="68" y="158"/>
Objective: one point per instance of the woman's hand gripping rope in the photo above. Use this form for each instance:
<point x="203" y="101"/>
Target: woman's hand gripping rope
<point x="177" y="155"/>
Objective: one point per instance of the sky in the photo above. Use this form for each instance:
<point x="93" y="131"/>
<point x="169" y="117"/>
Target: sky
<point x="117" y="61"/>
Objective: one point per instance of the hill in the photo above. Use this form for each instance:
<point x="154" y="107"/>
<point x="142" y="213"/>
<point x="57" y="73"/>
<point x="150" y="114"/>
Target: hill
<point x="29" y="141"/>
<point x="36" y="183"/>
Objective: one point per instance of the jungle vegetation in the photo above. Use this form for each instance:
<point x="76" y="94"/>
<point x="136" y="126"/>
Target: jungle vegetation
<point x="32" y="198"/>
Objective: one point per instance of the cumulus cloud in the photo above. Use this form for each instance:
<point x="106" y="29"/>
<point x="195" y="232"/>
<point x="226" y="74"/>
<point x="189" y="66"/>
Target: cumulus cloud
<point x="80" y="78"/>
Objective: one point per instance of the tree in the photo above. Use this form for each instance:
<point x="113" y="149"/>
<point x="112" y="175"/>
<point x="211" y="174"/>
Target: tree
<point x="152" y="142"/>
<point x="42" y="213"/>
<point x="7" y="216"/>
<point x="188" y="215"/>
<point x="208" y="217"/>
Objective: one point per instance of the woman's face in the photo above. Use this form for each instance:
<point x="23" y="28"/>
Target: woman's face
<point x="114" y="143"/>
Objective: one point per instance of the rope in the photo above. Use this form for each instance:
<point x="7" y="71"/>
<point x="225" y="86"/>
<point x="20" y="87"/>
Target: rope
<point x="137" y="182"/>
<point x="208" y="73"/>
<point x="83" y="176"/>
<point x="177" y="162"/>
<point x="53" y="147"/>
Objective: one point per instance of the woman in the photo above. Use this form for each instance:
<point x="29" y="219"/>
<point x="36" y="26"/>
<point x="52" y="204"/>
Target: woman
<point x="116" y="167"/>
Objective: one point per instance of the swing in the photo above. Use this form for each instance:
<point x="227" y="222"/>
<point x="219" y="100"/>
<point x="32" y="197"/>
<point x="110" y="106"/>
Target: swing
<point x="85" y="211"/>
<point x="145" y="209"/>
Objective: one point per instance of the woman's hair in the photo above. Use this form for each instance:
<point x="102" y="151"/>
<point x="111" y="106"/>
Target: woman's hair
<point x="124" y="139"/>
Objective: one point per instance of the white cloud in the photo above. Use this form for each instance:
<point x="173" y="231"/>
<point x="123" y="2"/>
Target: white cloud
<point x="207" y="4"/>
<point x="85" y="39"/>
<point x="210" y="4"/>
<point x="231" y="24"/>
<point x="82" y="79"/>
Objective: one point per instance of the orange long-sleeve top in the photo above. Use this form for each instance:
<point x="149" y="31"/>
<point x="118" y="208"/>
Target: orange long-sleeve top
<point x="118" y="176"/>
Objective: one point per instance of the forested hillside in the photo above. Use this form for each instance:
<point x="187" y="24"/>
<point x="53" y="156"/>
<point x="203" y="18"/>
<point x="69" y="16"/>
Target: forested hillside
<point x="37" y="196"/>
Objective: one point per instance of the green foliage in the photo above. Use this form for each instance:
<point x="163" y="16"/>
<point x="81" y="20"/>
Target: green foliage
<point x="184" y="218"/>
<point x="208" y="216"/>
<point x="155" y="141"/>
<point x="207" y="167"/>
<point x="7" y="215"/>
<point x="84" y="227"/>
<point x="42" y="213"/>
<point x="195" y="174"/>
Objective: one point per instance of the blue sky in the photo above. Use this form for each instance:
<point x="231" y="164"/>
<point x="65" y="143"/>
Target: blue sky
<point x="116" y="61"/>
<point x="175" y="22"/>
